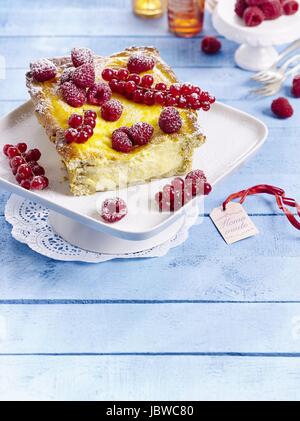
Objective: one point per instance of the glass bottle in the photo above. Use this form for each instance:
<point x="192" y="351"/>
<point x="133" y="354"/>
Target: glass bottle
<point x="149" y="8"/>
<point x="186" y="17"/>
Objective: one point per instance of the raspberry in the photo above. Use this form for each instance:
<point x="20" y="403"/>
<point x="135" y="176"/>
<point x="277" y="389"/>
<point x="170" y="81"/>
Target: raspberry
<point x="111" y="110"/>
<point x="296" y="86"/>
<point x="99" y="93"/>
<point x="197" y="179"/>
<point x="210" y="45"/>
<point x="253" y="16"/>
<point x="121" y="141"/>
<point x="170" y="120"/>
<point x="75" y="120"/>
<point x="113" y="210"/>
<point x="43" y="70"/>
<point x="141" y="133"/>
<point x="84" y="76"/>
<point x="67" y="75"/>
<point x="39" y="182"/>
<point x="139" y="63"/>
<point x="272" y="9"/>
<point x="32" y="155"/>
<point x="282" y="108"/>
<point x="240" y="7"/>
<point x="73" y="95"/>
<point x="82" y="56"/>
<point x="290" y="7"/>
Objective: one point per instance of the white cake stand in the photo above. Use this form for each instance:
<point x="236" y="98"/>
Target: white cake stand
<point x="256" y="51"/>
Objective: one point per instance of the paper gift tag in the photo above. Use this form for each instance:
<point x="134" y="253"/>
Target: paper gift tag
<point x="234" y="223"/>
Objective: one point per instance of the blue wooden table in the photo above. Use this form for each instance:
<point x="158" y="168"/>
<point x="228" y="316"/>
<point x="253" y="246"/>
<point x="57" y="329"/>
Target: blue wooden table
<point x="207" y="321"/>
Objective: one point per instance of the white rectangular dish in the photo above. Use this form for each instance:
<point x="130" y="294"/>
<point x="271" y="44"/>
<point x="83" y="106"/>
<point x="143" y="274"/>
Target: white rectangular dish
<point x="232" y="137"/>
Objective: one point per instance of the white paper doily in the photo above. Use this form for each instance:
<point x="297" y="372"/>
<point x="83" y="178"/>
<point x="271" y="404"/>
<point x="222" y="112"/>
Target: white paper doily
<point x="30" y="226"/>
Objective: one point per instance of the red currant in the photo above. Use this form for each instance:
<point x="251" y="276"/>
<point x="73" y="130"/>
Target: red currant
<point x="161" y="86"/>
<point x="149" y="98"/>
<point x="82" y="137"/>
<point x="175" y="89"/>
<point x="107" y="74"/>
<point x="25" y="184"/>
<point x="160" y="98"/>
<point x="158" y="197"/>
<point x="135" y="78"/>
<point x="5" y="149"/>
<point x="192" y="99"/>
<point x="71" y="135"/>
<point x="204" y="96"/>
<point x="138" y="96"/>
<point x="114" y="84"/>
<point x="212" y="99"/>
<point x="90" y="114"/>
<point x="130" y="87"/>
<point x="186" y="89"/>
<point x="37" y="169"/>
<point x="178" y="184"/>
<point x="122" y="74"/>
<point x="207" y="188"/>
<point x="182" y="102"/>
<point x="24" y="171"/>
<point x="22" y="147"/>
<point x="12" y="152"/>
<point x="89" y="121"/>
<point x="170" y="100"/>
<point x="113" y="210"/>
<point x="168" y="192"/>
<point x="196" y="90"/>
<point x="32" y="155"/>
<point x="121" y="89"/>
<point x="147" y="81"/>
<point x="75" y="120"/>
<point x="39" y="182"/>
<point x="88" y="130"/>
<point x="16" y="161"/>
<point x="205" y="106"/>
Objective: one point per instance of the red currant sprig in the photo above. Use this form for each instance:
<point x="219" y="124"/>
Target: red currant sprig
<point x="29" y="174"/>
<point x="181" y="191"/>
<point x="81" y="128"/>
<point x="141" y="90"/>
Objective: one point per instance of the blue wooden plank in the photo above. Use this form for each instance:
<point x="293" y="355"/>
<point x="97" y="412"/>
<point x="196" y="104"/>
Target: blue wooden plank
<point x="179" y="328"/>
<point x="202" y="269"/>
<point x="149" y="378"/>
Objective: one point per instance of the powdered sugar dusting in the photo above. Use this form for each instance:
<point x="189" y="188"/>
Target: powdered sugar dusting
<point x="82" y="56"/>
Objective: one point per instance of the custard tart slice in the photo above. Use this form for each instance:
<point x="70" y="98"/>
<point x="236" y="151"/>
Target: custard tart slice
<point x="119" y="120"/>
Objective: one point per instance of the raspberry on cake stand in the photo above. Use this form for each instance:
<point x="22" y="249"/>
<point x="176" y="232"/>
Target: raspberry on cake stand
<point x="256" y="51"/>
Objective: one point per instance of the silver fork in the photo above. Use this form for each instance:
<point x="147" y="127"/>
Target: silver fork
<point x="273" y="88"/>
<point x="279" y="73"/>
<point x="260" y="77"/>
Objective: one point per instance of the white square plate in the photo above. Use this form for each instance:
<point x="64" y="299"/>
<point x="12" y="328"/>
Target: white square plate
<point x="232" y="136"/>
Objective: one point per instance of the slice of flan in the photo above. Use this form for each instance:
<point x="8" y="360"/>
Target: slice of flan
<point x="95" y="165"/>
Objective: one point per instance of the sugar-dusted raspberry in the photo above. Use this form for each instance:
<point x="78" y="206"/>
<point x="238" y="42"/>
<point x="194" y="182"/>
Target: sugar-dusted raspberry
<point x="141" y="133"/>
<point x="111" y="110"/>
<point x="272" y="9"/>
<point x="67" y="74"/>
<point x="296" y="86"/>
<point x="240" y="7"/>
<point x="82" y="56"/>
<point x="98" y="94"/>
<point x="113" y="210"/>
<point x="197" y="179"/>
<point x="290" y="7"/>
<point x="73" y="95"/>
<point x="210" y="45"/>
<point x="43" y="70"/>
<point x="84" y="76"/>
<point x="121" y="141"/>
<point x="170" y="120"/>
<point x="139" y="63"/>
<point x="282" y="108"/>
<point x="253" y="16"/>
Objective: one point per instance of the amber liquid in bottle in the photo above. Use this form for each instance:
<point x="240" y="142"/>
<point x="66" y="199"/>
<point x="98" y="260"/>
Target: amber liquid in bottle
<point x="149" y="8"/>
<point x="186" y="17"/>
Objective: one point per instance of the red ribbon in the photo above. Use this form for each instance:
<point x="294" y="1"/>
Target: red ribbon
<point x="279" y="194"/>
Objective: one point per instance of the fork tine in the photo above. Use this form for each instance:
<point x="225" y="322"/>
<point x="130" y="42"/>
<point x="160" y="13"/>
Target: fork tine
<point x="266" y="91"/>
<point x="259" y="75"/>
